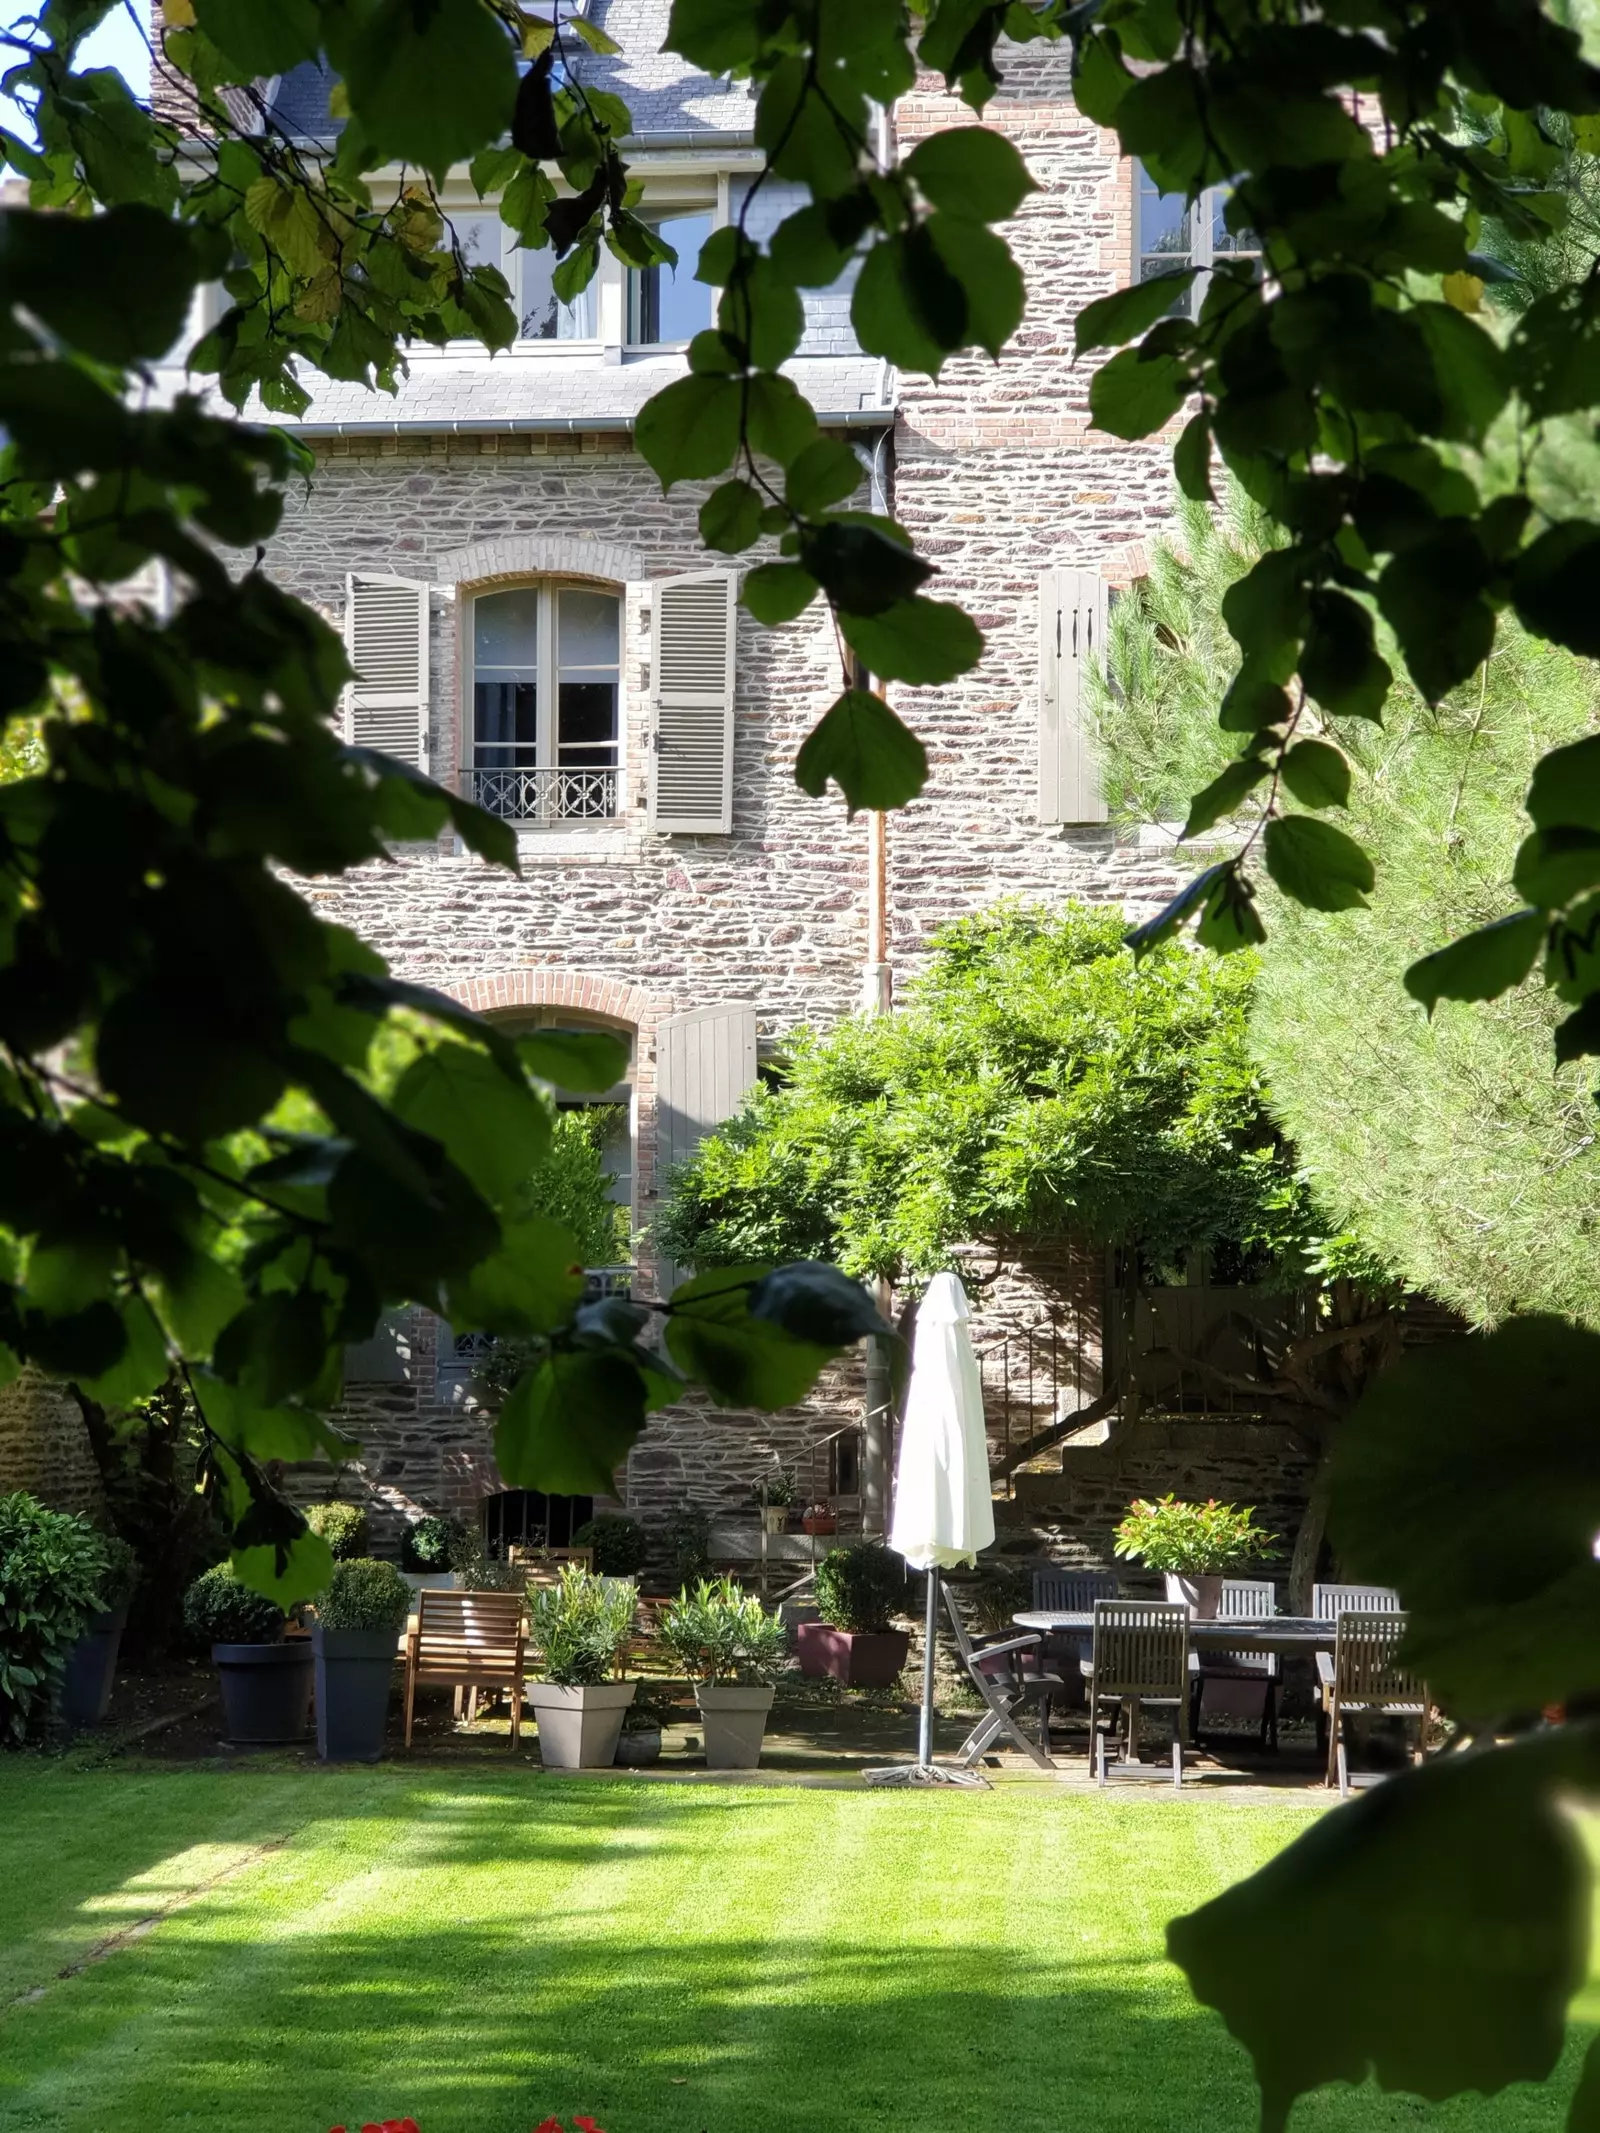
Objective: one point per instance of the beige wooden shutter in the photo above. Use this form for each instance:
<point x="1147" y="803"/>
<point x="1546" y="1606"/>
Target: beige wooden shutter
<point x="386" y="637"/>
<point x="705" y="1061"/>
<point x="691" y="678"/>
<point x="1072" y="626"/>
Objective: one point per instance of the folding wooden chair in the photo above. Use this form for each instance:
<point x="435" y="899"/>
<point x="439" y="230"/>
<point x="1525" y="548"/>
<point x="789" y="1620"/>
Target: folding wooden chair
<point x="1242" y="1599"/>
<point x="994" y="1668"/>
<point x="1140" y="1656"/>
<point x="1366" y="1678"/>
<point x="473" y="1641"/>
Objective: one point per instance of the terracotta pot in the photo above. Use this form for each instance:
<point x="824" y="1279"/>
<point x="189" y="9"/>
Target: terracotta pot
<point x="819" y="1522"/>
<point x="579" y="1729"/>
<point x="1200" y="1589"/>
<point x="861" y="1659"/>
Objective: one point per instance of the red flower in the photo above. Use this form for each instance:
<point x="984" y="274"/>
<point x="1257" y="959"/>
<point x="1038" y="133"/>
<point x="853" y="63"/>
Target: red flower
<point x="586" y="2125"/>
<point x="550" y="2125"/>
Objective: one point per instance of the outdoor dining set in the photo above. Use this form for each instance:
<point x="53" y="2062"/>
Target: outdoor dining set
<point x="1131" y="1652"/>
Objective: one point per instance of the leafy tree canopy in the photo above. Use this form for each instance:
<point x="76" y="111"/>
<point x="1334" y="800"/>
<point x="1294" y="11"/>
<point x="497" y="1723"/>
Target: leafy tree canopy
<point x="1037" y="1081"/>
<point x="1446" y="1144"/>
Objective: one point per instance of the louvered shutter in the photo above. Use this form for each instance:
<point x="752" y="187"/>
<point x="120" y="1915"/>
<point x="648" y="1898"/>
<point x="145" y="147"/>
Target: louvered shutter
<point x="1072" y="619"/>
<point x="705" y="1061"/>
<point x="386" y="637"/>
<point x="691" y="678"/>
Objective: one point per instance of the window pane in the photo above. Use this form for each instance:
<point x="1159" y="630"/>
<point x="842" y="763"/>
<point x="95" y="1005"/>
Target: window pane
<point x="542" y="317"/>
<point x="1163" y="224"/>
<point x="505" y="729"/>
<point x="478" y="238"/>
<point x="1238" y="243"/>
<point x="505" y="630"/>
<point x="667" y="303"/>
<point x="588" y="724"/>
<point x="588" y="636"/>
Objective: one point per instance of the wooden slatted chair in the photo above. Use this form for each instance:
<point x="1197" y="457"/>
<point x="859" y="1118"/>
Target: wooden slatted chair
<point x="1069" y="1592"/>
<point x="1243" y="1599"/>
<point x="1140" y="1656"/>
<point x="994" y="1668"/>
<point x="1367" y="1678"/>
<point x="1328" y="1603"/>
<point x="472" y="1641"/>
<point x="543" y="1566"/>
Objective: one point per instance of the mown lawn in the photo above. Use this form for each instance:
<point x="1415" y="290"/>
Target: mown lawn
<point x="482" y="1951"/>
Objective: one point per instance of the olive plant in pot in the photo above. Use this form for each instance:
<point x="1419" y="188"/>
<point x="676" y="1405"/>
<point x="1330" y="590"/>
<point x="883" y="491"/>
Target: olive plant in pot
<point x="360" y="1613"/>
<point x="266" y="1683"/>
<point x="580" y="1628"/>
<point x="858" y="1591"/>
<point x="91" y="1668"/>
<point x="1194" y="1545"/>
<point x="732" y="1650"/>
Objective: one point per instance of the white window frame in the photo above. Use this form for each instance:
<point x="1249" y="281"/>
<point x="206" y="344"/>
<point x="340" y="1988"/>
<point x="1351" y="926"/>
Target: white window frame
<point x="690" y="196"/>
<point x="510" y="264"/>
<point x="1201" y="252"/>
<point x="547" y="683"/>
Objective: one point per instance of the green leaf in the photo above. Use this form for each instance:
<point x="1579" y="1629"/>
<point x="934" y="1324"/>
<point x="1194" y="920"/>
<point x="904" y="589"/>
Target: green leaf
<point x="1229" y="919"/>
<point x="972" y="172"/>
<point x="823" y="475"/>
<point x="1170" y="918"/>
<point x="1481" y="965"/>
<point x="174" y="1068"/>
<point x="990" y="279"/>
<point x="743" y="1361"/>
<point x="144" y="1365"/>
<point x="275" y="1347"/>
<point x="1492" y="1547"/>
<point x="1317" y="774"/>
<point x="1138" y="393"/>
<point x="1099" y="79"/>
<point x="763" y="314"/>
<point x="1481" y="1884"/>
<point x="1126" y="313"/>
<point x="1225" y="793"/>
<point x="261" y="40"/>
<point x="1566" y="787"/>
<point x="1431" y="594"/>
<point x="777" y="592"/>
<point x="492" y="1129"/>
<point x="1553" y="587"/>
<point x="115" y="285"/>
<point x="1267" y="612"/>
<point x="586" y="1062"/>
<point x="1554" y="865"/>
<point x="689" y="431"/>
<point x="909" y="306"/>
<point x="859" y="565"/>
<point x="567" y="1426"/>
<point x="1339" y="664"/>
<point x="1316" y="864"/>
<point x="918" y="641"/>
<point x="533" y="1284"/>
<point x="730" y="517"/>
<point x="1474" y="377"/>
<point x="430" y="85"/>
<point x="875" y="761"/>
<point x="816" y="1302"/>
<point x="1191" y="460"/>
<point x="782" y="423"/>
<point x="299" y="1573"/>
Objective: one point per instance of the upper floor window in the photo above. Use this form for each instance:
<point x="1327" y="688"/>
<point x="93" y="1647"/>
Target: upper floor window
<point x="485" y="241"/>
<point x="546" y="703"/>
<point x="667" y="304"/>
<point x="1171" y="233"/>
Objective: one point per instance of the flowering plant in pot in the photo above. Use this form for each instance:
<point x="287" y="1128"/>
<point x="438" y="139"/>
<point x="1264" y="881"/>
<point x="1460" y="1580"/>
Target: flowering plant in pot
<point x="858" y="1591"/>
<point x="354" y="1640"/>
<point x="732" y="1649"/>
<point x="266" y="1683"/>
<point x="580" y="1627"/>
<point x="1195" y="1545"/>
<point x="819" y="1518"/>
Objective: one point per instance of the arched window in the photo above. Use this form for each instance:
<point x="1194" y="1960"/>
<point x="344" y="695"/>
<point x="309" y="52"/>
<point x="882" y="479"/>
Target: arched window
<point x="546" y="703"/>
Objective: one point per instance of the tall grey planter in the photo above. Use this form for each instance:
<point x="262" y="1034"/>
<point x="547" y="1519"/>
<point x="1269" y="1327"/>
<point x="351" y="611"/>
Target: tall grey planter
<point x="579" y="1728"/>
<point x="355" y="1674"/>
<point x="92" y="1669"/>
<point x="266" y="1691"/>
<point x="733" y="1717"/>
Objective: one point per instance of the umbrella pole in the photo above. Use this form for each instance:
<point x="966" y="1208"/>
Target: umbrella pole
<point x="925" y="1771"/>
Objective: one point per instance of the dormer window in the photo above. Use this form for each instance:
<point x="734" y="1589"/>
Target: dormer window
<point x="666" y="305"/>
<point x="546" y="703"/>
<point x="485" y="241"/>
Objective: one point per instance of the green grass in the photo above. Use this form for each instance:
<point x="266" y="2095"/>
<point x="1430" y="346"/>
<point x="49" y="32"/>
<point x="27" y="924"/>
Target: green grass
<point x="480" y="1951"/>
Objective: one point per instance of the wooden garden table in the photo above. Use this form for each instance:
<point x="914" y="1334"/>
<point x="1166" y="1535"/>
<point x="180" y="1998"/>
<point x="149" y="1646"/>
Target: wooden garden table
<point x="1285" y="1634"/>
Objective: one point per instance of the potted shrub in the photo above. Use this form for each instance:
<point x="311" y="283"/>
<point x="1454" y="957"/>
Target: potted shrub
<point x="91" y="1668"/>
<point x="858" y="1590"/>
<point x="354" y="1641"/>
<point x="266" y="1683"/>
<point x="52" y="1567"/>
<point x="432" y="1550"/>
<point x="686" y="1542"/>
<point x="344" y="1527"/>
<point x="819" y="1518"/>
<point x="580" y="1628"/>
<point x="732" y="1650"/>
<point x="1194" y="1545"/>
<point x="618" y="1545"/>
<point x="639" y="1743"/>
<point x="774" y="1493"/>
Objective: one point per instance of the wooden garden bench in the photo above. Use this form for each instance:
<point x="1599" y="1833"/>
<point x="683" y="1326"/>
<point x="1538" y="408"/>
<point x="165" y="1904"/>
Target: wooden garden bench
<point x="472" y="1641"/>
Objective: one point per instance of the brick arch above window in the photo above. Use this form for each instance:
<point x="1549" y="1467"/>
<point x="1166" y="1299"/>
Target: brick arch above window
<point x="585" y="992"/>
<point x="536" y="555"/>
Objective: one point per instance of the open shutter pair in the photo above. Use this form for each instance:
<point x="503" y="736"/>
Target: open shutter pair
<point x="691" y="679"/>
<point x="1072" y="622"/>
<point x="386" y="638"/>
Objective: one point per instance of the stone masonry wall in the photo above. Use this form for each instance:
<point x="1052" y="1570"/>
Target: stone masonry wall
<point x="44" y="1447"/>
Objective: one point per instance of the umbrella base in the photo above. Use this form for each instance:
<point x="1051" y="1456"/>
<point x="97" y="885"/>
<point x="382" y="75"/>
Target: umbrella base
<point x="927" y="1774"/>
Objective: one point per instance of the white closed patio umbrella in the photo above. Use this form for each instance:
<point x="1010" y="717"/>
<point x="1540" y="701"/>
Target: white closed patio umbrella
<point x="943" y="1506"/>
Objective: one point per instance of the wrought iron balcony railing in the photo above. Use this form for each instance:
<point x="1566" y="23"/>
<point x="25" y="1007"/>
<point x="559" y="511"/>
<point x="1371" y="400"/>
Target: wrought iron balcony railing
<point x="552" y="794"/>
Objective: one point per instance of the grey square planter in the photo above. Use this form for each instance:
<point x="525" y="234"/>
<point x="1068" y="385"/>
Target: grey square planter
<point x="355" y="1674"/>
<point x="579" y="1728"/>
<point x="92" y="1668"/>
<point x="734" y="1719"/>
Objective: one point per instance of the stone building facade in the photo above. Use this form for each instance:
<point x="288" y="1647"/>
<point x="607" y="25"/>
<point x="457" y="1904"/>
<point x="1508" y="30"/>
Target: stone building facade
<point x="706" y="930"/>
